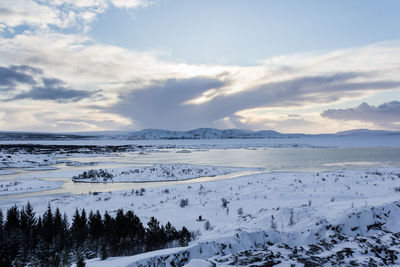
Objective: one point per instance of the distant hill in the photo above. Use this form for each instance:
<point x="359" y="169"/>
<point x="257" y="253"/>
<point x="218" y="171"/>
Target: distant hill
<point x="367" y="132"/>
<point x="201" y="133"/>
<point x="11" y="136"/>
<point x="158" y="134"/>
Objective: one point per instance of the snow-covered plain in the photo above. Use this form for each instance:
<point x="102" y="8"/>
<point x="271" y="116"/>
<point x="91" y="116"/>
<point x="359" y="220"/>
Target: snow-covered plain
<point x="5" y="172"/>
<point x="340" y="217"/>
<point x="26" y="160"/>
<point x="260" y="213"/>
<point x="288" y="141"/>
<point x="26" y="186"/>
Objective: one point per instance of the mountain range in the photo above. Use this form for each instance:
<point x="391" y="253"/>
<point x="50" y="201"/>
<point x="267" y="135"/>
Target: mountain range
<point x="158" y="134"/>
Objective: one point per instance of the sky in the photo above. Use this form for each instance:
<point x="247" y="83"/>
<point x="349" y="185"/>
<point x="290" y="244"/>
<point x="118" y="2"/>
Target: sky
<point x="307" y="66"/>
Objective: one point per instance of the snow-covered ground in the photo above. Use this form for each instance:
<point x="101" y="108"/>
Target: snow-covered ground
<point x="316" y="141"/>
<point x="261" y="213"/>
<point x="348" y="217"/>
<point x="155" y="173"/>
<point x="6" y="172"/>
<point x="39" y="157"/>
<point x="27" y="186"/>
<point x="25" y="160"/>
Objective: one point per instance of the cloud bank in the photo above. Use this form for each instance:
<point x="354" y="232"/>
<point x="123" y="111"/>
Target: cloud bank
<point x="55" y="77"/>
<point x="386" y="115"/>
<point x="163" y="104"/>
<point x="64" y="14"/>
<point x="26" y="82"/>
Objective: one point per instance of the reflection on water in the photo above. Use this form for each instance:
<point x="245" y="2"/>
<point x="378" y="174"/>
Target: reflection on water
<point x="279" y="159"/>
<point x="354" y="164"/>
<point x="271" y="159"/>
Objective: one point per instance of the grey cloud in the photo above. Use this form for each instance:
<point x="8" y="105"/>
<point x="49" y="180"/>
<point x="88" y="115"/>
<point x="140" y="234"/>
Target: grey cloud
<point x="383" y="115"/>
<point x="294" y="116"/>
<point x="56" y="93"/>
<point x="41" y="88"/>
<point x="160" y="106"/>
<point x="297" y="91"/>
<point x="13" y="75"/>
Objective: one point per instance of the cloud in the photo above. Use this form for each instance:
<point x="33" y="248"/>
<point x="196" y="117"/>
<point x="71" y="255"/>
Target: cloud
<point x="130" y="3"/>
<point x="35" y="86"/>
<point x="13" y="75"/>
<point x="386" y="115"/>
<point x="163" y="104"/>
<point x="76" y="59"/>
<point x="73" y="125"/>
<point x="56" y="116"/>
<point x="140" y="90"/>
<point x="302" y="91"/>
<point x="25" y="12"/>
<point x="53" y="89"/>
<point x="44" y="14"/>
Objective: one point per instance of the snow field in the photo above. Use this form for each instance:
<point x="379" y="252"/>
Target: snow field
<point x="291" y="208"/>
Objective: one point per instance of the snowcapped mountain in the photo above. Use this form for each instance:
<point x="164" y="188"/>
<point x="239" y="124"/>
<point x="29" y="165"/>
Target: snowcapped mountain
<point x="159" y="134"/>
<point x="200" y="133"/>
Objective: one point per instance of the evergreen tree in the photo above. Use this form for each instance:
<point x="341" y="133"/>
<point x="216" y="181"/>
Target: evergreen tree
<point x="29" y="236"/>
<point x="12" y="234"/>
<point x="184" y="236"/>
<point x="12" y="219"/>
<point x="50" y="241"/>
<point x="1" y="221"/>
<point x="80" y="261"/>
<point x="170" y="232"/>
<point x="104" y="252"/>
<point x="153" y="234"/>
<point x="79" y="228"/>
<point x="3" y="249"/>
<point x="48" y="226"/>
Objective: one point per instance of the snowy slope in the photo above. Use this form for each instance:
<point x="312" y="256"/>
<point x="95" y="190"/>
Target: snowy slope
<point x="337" y="243"/>
<point x="262" y="213"/>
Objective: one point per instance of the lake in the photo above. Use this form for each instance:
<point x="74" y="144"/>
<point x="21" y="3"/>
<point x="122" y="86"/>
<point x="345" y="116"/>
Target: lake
<point x="271" y="159"/>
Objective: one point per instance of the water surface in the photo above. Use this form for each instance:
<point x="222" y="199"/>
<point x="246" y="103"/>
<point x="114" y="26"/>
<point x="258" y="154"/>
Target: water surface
<point x="270" y="159"/>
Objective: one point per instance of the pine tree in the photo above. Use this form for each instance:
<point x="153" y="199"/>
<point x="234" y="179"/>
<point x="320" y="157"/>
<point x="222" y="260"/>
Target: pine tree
<point x="48" y="226"/>
<point x="29" y="236"/>
<point x="12" y="234"/>
<point x="104" y="252"/>
<point x="1" y="221"/>
<point x="185" y="237"/>
<point x="153" y="234"/>
<point x="12" y="219"/>
<point x="49" y="240"/>
<point x="95" y="225"/>
<point x="79" y="228"/>
<point x="170" y="232"/>
<point x="80" y="261"/>
<point x="84" y="226"/>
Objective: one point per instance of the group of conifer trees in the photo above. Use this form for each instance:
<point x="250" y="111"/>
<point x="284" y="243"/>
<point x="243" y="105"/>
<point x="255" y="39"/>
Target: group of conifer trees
<point x="50" y="240"/>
